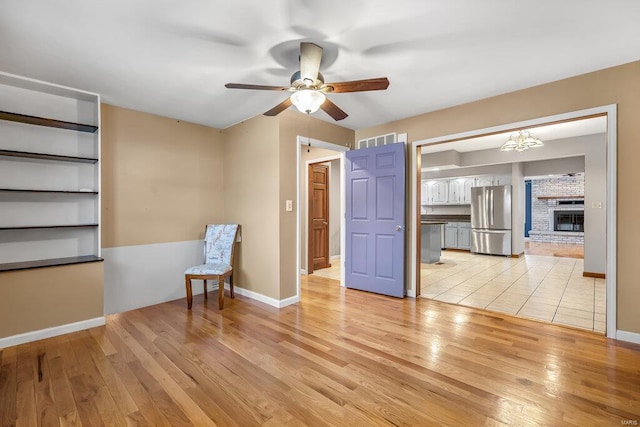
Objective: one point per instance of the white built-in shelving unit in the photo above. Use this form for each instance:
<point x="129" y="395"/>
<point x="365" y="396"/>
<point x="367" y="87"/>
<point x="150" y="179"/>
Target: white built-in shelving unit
<point x="49" y="174"/>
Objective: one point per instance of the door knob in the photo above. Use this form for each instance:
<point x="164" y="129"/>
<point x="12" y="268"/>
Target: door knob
<point x="324" y="223"/>
<point x="399" y="227"/>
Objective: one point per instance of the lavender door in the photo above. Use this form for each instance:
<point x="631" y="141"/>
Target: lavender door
<point x="374" y="226"/>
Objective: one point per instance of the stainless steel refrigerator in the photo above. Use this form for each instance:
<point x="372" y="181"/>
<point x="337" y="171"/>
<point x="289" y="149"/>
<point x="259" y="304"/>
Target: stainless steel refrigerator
<point x="491" y="220"/>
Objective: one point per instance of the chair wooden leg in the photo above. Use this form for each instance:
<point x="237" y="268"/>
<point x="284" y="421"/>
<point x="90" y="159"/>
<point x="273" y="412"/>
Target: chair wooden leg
<point x="187" y="282"/>
<point x="231" y="286"/>
<point x="205" y="289"/>
<point x="221" y="292"/>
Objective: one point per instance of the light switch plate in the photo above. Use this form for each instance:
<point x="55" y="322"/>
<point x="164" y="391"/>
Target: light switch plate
<point x="289" y="206"/>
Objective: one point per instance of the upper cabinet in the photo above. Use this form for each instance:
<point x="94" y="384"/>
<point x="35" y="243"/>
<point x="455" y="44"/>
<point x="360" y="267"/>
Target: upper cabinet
<point x="460" y="190"/>
<point x="437" y="192"/>
<point x="456" y="191"/>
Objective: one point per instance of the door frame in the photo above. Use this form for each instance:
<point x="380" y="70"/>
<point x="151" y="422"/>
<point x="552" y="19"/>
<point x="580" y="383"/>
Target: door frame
<point x="340" y="150"/>
<point x="308" y="163"/>
<point x="610" y="111"/>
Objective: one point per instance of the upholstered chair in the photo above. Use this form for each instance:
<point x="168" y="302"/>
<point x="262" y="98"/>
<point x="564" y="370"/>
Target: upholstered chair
<point x="219" y="247"/>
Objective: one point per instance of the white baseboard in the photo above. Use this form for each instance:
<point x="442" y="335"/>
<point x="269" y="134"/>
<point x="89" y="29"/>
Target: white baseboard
<point x="265" y="299"/>
<point x="628" y="336"/>
<point x="51" y="332"/>
<point x="288" y="301"/>
<point x="411" y="293"/>
<point x="303" y="271"/>
<point x="335" y="257"/>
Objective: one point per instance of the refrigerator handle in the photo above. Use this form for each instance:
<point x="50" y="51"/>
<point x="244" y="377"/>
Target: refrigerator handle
<point x="490" y="204"/>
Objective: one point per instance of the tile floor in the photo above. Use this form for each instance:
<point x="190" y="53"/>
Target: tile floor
<point x="545" y="288"/>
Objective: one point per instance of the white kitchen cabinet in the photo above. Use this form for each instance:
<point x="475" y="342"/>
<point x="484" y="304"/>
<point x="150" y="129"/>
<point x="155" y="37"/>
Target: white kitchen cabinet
<point x="457" y="235"/>
<point x="489" y="180"/>
<point x="451" y="235"/>
<point x="484" y="181"/>
<point x="502" y="180"/>
<point x="464" y="235"/>
<point x="456" y="191"/>
<point x="456" y="188"/>
<point x="437" y="192"/>
<point x="466" y="194"/>
<point x="460" y="190"/>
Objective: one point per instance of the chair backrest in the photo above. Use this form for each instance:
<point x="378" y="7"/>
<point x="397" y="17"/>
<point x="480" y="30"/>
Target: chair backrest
<point x="219" y="240"/>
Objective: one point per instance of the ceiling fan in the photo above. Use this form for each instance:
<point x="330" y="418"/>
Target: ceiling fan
<point x="309" y="88"/>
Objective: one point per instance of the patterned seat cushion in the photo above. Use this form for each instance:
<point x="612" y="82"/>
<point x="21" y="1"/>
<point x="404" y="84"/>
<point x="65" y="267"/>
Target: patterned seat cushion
<point x="212" y="269"/>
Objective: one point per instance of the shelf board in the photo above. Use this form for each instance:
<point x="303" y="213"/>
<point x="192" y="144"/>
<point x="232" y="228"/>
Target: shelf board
<point x="25" y="265"/>
<point x="35" y="227"/>
<point x="42" y="121"/>
<point x="560" y="197"/>
<point x="42" y="156"/>
<point x="20" y="190"/>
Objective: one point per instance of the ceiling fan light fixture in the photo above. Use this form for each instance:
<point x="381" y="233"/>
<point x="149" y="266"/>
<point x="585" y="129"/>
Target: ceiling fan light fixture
<point x="307" y="100"/>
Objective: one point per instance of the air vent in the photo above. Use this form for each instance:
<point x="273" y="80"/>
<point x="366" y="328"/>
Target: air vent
<point x="377" y="141"/>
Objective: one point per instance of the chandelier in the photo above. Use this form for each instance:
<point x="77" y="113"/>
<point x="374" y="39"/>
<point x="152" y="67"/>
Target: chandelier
<point x="523" y="140"/>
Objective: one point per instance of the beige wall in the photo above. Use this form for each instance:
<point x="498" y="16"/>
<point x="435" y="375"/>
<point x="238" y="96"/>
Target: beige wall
<point x="292" y="124"/>
<point x="161" y="178"/>
<point x="42" y="298"/>
<point x="251" y="199"/>
<point x="618" y="85"/>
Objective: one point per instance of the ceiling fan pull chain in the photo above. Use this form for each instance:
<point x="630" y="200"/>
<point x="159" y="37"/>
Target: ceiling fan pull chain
<point x="308" y="131"/>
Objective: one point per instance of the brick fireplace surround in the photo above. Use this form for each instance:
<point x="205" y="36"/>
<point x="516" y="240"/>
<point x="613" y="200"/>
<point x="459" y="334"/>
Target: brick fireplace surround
<point x="546" y="195"/>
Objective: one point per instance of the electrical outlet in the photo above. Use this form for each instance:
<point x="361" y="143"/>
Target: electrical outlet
<point x="289" y="206"/>
<point x="596" y="205"/>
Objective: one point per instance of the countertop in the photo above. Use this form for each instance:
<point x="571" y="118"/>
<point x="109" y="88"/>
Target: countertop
<point x="446" y="218"/>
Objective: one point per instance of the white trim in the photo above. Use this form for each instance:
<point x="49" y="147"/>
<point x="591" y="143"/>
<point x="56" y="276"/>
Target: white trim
<point x="51" y="332"/>
<point x="306" y="192"/>
<point x="611" y="112"/>
<point x="265" y="299"/>
<point x="611" y="269"/>
<point x="628" y="336"/>
<point x="301" y="140"/>
<point x="411" y="293"/>
<point x="335" y="257"/>
<point x="303" y="271"/>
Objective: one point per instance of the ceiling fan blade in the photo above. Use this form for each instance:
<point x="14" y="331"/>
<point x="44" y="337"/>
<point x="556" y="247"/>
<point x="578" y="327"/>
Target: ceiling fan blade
<point x="255" y="87"/>
<point x="279" y="108"/>
<point x="310" y="57"/>
<point x="333" y="110"/>
<point x="380" y="83"/>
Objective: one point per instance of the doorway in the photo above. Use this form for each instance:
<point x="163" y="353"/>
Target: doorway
<point x="608" y="201"/>
<point x="316" y="151"/>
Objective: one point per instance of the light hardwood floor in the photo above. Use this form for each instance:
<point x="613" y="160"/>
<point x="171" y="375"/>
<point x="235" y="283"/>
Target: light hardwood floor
<point x="339" y="357"/>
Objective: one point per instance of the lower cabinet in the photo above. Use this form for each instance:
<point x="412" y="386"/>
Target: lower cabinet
<point x="457" y="235"/>
<point x="451" y="235"/>
<point x="464" y="235"/>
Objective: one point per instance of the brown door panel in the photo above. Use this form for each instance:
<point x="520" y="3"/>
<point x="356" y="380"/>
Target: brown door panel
<point x="318" y="245"/>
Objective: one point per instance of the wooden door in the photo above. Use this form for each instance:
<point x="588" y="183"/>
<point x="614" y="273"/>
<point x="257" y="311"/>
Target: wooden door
<point x="375" y="219"/>
<point x="318" y="248"/>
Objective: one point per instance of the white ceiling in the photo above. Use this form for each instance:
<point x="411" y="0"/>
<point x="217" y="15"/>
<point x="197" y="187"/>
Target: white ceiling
<point x="173" y="57"/>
